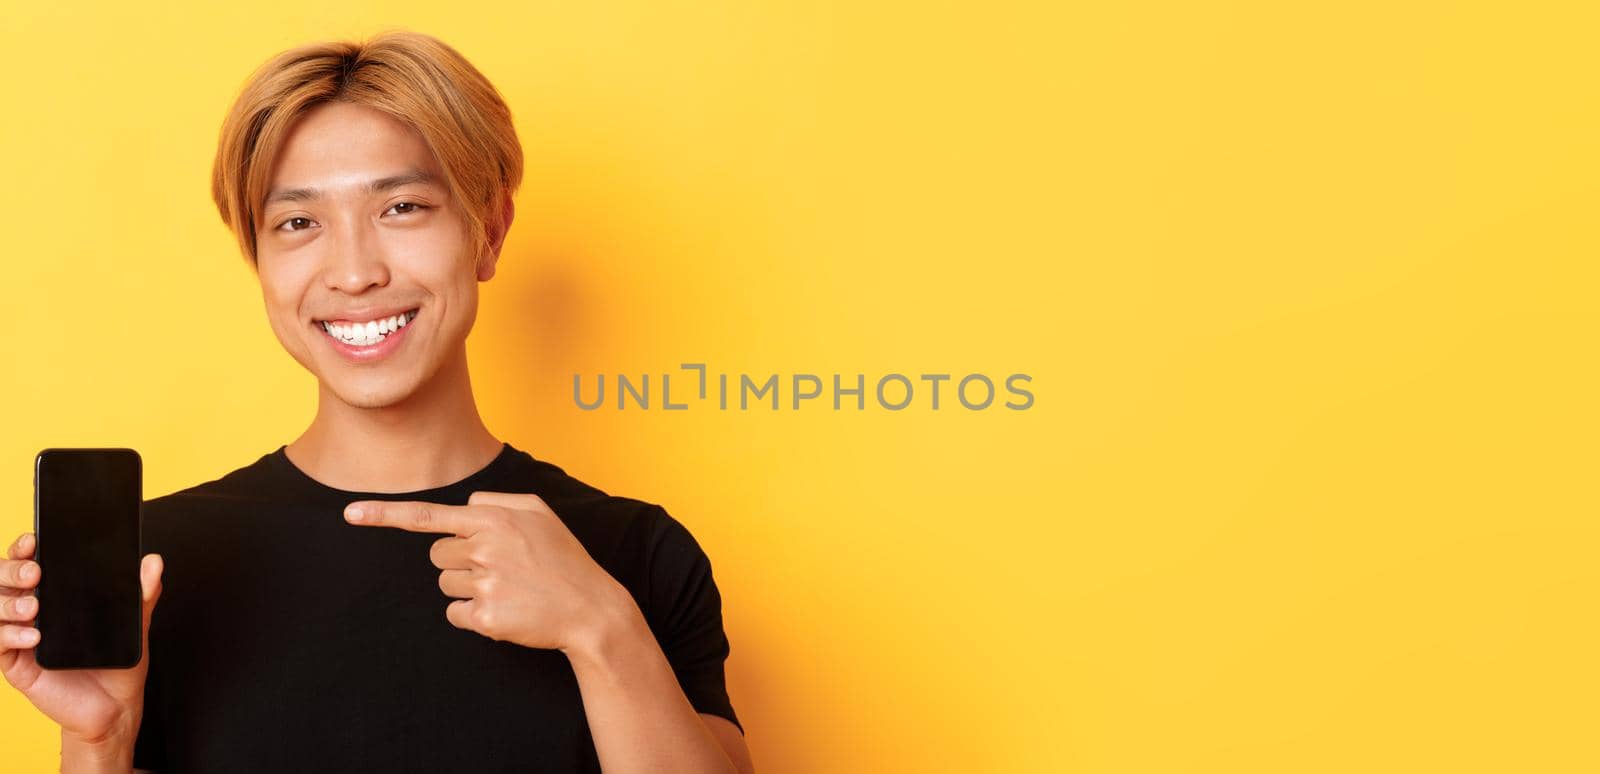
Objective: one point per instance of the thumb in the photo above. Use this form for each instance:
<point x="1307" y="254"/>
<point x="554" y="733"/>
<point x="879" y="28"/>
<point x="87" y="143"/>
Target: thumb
<point x="150" y="569"/>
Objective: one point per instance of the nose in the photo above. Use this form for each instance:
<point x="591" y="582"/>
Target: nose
<point x="355" y="260"/>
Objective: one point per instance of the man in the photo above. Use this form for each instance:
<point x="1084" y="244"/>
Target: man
<point x="396" y="589"/>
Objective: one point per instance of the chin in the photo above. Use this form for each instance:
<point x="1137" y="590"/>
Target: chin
<point x="375" y="397"/>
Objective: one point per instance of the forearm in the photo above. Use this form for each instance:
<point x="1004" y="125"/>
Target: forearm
<point x="638" y="715"/>
<point x="113" y="754"/>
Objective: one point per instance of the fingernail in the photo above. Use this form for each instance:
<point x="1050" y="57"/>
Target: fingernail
<point x="30" y="636"/>
<point x="30" y="571"/>
<point x="25" y="605"/>
<point x="354" y="513"/>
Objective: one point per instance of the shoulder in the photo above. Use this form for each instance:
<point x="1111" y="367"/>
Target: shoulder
<point x="615" y="529"/>
<point x="581" y="505"/>
<point x="241" y="483"/>
<point x="637" y="540"/>
<point x="674" y="545"/>
<point x="166" y="518"/>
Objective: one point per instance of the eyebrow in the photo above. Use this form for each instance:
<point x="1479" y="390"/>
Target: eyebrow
<point x="373" y="186"/>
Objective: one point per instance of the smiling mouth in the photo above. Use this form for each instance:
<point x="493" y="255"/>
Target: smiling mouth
<point x="368" y="333"/>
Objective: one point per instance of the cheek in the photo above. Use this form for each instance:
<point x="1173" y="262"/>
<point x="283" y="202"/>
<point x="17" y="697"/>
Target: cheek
<point x="429" y="258"/>
<point x="460" y="298"/>
<point x="444" y="271"/>
<point x="282" y="297"/>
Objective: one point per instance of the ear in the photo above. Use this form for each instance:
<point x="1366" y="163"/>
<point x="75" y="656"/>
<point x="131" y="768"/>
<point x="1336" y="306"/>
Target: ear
<point x="497" y="239"/>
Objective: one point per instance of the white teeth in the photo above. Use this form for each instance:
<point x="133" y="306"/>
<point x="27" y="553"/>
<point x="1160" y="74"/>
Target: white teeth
<point x="368" y="333"/>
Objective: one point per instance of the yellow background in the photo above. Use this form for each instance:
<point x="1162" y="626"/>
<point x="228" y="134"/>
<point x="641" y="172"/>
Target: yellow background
<point x="1307" y="296"/>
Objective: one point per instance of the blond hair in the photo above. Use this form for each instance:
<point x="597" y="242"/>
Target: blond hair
<point x="413" y="77"/>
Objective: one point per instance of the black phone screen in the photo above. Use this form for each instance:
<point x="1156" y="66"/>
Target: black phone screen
<point x="86" y="526"/>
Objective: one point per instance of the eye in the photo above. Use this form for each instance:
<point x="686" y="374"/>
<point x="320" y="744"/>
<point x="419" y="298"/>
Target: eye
<point x="415" y="207"/>
<point x="295" y="219"/>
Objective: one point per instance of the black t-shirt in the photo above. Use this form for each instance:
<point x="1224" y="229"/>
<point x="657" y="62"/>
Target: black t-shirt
<point x="286" y="639"/>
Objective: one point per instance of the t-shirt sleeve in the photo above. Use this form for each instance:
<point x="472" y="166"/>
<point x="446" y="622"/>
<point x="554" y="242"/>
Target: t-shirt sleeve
<point x="687" y="617"/>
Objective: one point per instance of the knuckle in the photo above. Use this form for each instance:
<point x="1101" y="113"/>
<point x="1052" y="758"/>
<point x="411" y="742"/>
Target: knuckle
<point x="483" y="617"/>
<point x="12" y="636"/>
<point x="18" y="608"/>
<point x="425" y="516"/>
<point x="492" y="516"/>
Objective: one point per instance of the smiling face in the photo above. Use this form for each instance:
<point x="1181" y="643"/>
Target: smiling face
<point x="365" y="261"/>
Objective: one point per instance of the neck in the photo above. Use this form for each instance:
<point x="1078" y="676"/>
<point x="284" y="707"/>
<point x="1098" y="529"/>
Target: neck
<point x="432" y="438"/>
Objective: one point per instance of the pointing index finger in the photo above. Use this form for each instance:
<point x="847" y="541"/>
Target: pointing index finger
<point x="413" y="515"/>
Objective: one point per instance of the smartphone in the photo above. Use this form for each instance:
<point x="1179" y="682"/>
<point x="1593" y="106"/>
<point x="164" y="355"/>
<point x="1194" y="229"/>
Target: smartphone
<point x="86" y="508"/>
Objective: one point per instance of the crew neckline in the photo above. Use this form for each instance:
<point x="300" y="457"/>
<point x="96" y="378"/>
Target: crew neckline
<point x="280" y="458"/>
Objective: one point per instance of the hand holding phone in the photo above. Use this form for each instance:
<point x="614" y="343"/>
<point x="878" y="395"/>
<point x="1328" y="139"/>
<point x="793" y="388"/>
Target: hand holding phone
<point x="89" y="703"/>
